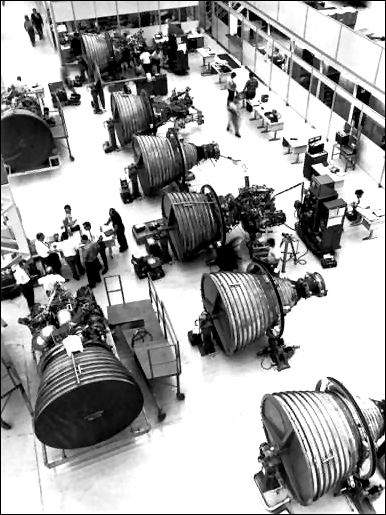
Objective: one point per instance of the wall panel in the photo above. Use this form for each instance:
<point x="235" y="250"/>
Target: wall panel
<point x="359" y="54"/>
<point x="371" y="158"/>
<point x="279" y="82"/>
<point x="62" y="11"/>
<point x="270" y="8"/>
<point x="262" y="68"/>
<point x="249" y="55"/>
<point x="128" y="7"/>
<point x="84" y="10"/>
<point x="105" y="8"/>
<point x="380" y="80"/>
<point x="293" y="16"/>
<point x="318" y="115"/>
<point x="297" y="98"/>
<point x="221" y="35"/>
<point x="317" y="26"/>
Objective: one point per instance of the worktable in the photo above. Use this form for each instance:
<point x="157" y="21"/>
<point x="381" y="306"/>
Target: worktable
<point x="338" y="177"/>
<point x="208" y="56"/>
<point x="370" y="219"/>
<point x="259" y="111"/>
<point x="297" y="141"/>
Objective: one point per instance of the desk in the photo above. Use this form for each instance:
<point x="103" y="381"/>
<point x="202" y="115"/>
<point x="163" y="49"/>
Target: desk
<point x="259" y="111"/>
<point x="338" y="177"/>
<point x="223" y="70"/>
<point x="370" y="219"/>
<point x="297" y="142"/>
<point x="195" y="41"/>
<point x="208" y="56"/>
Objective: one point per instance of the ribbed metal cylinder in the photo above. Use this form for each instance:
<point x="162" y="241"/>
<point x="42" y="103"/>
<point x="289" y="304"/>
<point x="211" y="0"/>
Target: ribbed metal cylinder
<point x="85" y="401"/>
<point x="96" y="49"/>
<point x="26" y="140"/>
<point x="324" y="446"/>
<point x="190" y="154"/>
<point x="192" y="223"/>
<point x="243" y="306"/>
<point x="131" y="116"/>
<point x="159" y="164"/>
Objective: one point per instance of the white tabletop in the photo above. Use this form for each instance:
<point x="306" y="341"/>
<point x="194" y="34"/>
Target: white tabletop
<point x="205" y="52"/>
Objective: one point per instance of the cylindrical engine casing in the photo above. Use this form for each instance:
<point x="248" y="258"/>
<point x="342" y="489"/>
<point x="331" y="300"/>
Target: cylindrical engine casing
<point x="324" y="433"/>
<point x="192" y="222"/>
<point x="243" y="306"/>
<point x="26" y="140"/>
<point x="159" y="163"/>
<point x="131" y="115"/>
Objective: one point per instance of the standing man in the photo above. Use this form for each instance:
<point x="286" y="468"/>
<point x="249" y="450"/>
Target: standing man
<point x="232" y="87"/>
<point x="102" y="246"/>
<point x="29" y="28"/>
<point x="119" y="229"/>
<point x="91" y="262"/>
<point x="70" y="224"/>
<point x="23" y="278"/>
<point x="145" y="60"/>
<point x="69" y="250"/>
<point x="37" y="22"/>
<point x="49" y="258"/>
<point x="250" y="89"/>
<point x="234" y="116"/>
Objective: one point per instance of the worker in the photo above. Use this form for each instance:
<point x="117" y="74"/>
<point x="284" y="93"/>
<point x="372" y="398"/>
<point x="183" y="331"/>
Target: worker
<point x="49" y="257"/>
<point x="76" y="45"/>
<point x="102" y="245"/>
<point x="233" y="108"/>
<point x="250" y="89"/>
<point x="231" y="87"/>
<point x="278" y="58"/>
<point x="37" y="22"/>
<point x="119" y="229"/>
<point x="70" y="252"/>
<point x="29" y="28"/>
<point x="91" y="262"/>
<point x="49" y="280"/>
<point x="70" y="224"/>
<point x="156" y="58"/>
<point x="145" y="60"/>
<point x="353" y="215"/>
<point x="23" y="278"/>
<point x="125" y="59"/>
<point x="19" y="86"/>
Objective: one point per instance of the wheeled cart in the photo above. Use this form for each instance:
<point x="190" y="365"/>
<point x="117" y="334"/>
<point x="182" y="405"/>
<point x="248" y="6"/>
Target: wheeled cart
<point x="148" y="332"/>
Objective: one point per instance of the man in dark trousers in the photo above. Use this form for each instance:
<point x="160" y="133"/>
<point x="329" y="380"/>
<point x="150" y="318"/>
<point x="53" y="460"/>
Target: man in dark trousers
<point x="37" y="22"/>
<point x="23" y="278"/>
<point x="92" y="264"/>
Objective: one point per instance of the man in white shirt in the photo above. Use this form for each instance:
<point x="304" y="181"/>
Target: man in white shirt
<point x="23" y="278"/>
<point x="49" y="259"/>
<point x="145" y="59"/>
<point x="48" y="281"/>
<point x="69" y="249"/>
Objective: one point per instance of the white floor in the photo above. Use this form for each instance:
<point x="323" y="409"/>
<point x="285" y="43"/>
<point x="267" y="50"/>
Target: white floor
<point x="203" y="457"/>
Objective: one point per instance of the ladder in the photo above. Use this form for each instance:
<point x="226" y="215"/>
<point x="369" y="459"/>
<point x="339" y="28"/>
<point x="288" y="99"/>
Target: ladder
<point x="118" y="290"/>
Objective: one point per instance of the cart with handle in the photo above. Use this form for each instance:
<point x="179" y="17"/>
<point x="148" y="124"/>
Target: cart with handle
<point x="148" y="331"/>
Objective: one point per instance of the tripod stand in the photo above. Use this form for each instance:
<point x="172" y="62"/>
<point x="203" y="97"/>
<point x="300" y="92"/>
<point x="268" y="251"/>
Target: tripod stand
<point x="8" y="371"/>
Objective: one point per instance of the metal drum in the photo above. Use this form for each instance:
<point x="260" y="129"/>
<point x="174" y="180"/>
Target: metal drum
<point x="193" y="224"/>
<point x="85" y="401"/>
<point x="97" y="49"/>
<point x="329" y="437"/>
<point x="132" y="114"/>
<point x="26" y="140"/>
<point x="243" y="306"/>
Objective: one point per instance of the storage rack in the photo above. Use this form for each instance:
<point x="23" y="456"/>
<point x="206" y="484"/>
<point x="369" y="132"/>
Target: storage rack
<point x="59" y="131"/>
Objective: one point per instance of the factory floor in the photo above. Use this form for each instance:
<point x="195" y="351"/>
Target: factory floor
<point x="202" y="459"/>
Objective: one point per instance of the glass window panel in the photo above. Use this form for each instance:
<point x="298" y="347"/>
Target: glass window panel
<point x="342" y="107"/>
<point x="259" y="22"/>
<point x="129" y="21"/>
<point x="373" y="130"/>
<point x="326" y="94"/>
<point x="301" y="76"/>
<point x="149" y="19"/>
<point x="222" y="14"/>
<point x="249" y="55"/>
<point x="262" y="64"/>
<point x="166" y="15"/>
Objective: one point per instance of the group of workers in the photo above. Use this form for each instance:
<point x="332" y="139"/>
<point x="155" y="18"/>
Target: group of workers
<point x="234" y="99"/>
<point x="81" y="254"/>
